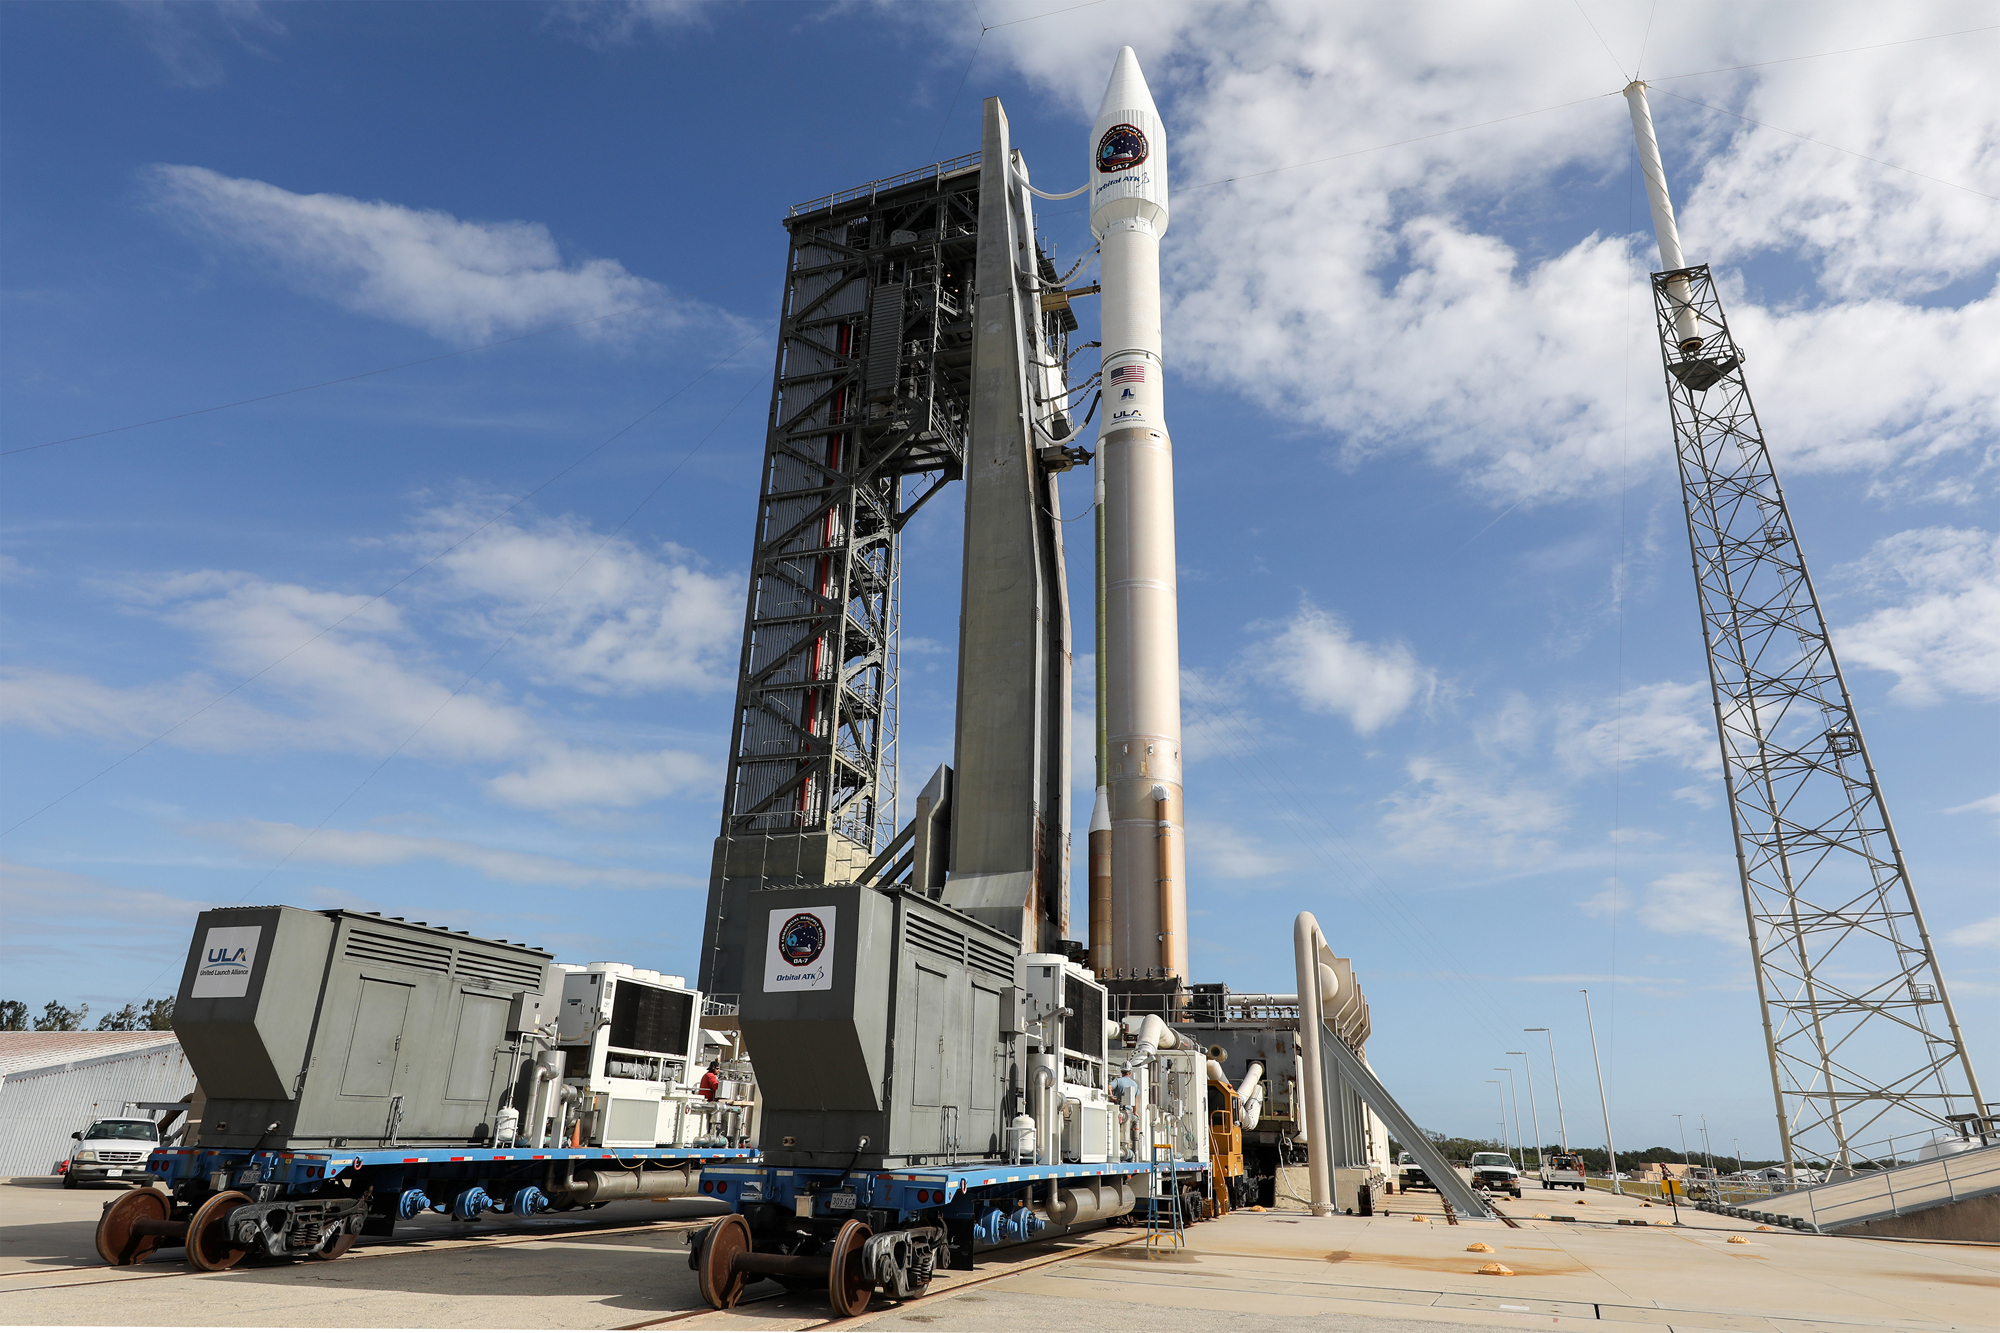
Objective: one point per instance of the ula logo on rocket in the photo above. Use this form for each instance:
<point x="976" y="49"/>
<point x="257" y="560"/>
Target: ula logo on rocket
<point x="1122" y="148"/>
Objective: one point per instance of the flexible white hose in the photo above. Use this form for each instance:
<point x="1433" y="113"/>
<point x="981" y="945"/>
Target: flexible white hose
<point x="1043" y="194"/>
<point x="1250" y="1096"/>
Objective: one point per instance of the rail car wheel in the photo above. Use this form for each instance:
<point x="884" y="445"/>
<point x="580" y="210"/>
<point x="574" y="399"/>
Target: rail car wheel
<point x="721" y="1284"/>
<point x="847" y="1287"/>
<point x="338" y="1246"/>
<point x="210" y="1247"/>
<point x="115" y="1242"/>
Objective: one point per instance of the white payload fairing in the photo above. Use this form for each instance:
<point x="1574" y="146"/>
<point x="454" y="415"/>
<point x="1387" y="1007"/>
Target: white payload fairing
<point x="1142" y="703"/>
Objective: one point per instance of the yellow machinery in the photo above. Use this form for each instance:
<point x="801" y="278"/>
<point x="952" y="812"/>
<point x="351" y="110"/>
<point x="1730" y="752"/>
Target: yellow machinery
<point x="1233" y="1189"/>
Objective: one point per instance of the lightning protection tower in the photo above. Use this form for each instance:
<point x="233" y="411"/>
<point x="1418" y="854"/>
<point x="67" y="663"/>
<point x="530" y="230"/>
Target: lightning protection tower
<point x="1858" y="1026"/>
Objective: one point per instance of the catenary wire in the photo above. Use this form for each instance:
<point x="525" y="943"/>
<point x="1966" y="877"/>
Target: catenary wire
<point x="1087" y="4"/>
<point x="944" y="121"/>
<point x="1646" y="38"/>
<point x="963" y="79"/>
<point x="1334" y="850"/>
<point x="1615" y="62"/>
<point x="564" y="471"/>
<point x="1834" y="146"/>
<point x="984" y="28"/>
<point x="1820" y="55"/>
<point x="367" y="374"/>
<point x="487" y="661"/>
<point x="1358" y="152"/>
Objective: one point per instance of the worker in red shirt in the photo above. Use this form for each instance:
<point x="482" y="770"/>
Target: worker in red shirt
<point x="712" y="1080"/>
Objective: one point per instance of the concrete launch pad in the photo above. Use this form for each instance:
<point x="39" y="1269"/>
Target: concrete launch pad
<point x="625" y="1267"/>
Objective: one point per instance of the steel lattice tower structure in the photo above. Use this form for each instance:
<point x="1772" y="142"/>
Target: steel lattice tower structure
<point x="1858" y="1024"/>
<point x="887" y="389"/>
<point x="871" y="391"/>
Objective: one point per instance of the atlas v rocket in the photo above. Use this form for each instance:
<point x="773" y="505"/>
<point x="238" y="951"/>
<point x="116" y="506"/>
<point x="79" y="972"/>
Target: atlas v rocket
<point x="1141" y="703"/>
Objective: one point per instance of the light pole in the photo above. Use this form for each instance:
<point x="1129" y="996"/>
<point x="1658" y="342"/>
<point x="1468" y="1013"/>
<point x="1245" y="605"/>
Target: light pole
<point x="1617" y="1185"/>
<point x="1562" y="1125"/>
<point x="1534" y="1116"/>
<point x="1684" y="1137"/>
<point x="1706" y="1156"/>
<point x="1738" y="1144"/>
<point x="1521" y="1154"/>
<point x="1500" y="1090"/>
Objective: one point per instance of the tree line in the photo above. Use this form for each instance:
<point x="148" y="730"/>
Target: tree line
<point x="1594" y="1159"/>
<point x="151" y="1016"/>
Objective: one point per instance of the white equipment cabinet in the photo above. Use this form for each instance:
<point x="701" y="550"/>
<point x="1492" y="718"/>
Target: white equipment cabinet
<point x="1072" y="1045"/>
<point x="630" y="1039"/>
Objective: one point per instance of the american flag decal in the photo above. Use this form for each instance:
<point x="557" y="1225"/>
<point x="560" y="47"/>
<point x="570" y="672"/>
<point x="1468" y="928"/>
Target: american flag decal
<point x="1133" y="374"/>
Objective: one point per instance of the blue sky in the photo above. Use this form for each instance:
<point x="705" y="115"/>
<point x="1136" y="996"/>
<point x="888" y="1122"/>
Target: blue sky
<point x="1445" y="684"/>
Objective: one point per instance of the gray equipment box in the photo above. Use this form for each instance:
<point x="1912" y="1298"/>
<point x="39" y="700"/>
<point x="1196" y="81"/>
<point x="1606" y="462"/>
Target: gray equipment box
<point x="874" y="1018"/>
<point x="316" y="1028"/>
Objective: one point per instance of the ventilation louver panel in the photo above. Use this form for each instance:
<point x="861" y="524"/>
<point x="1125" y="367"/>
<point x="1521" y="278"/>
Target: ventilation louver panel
<point x="513" y="973"/>
<point x="985" y="958"/>
<point x="369" y="946"/>
<point x="933" y="938"/>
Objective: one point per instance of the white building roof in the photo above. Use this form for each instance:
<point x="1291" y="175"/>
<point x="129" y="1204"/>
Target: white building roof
<point x="24" y="1051"/>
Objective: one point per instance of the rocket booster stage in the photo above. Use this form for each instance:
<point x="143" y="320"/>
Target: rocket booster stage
<point x="1128" y="215"/>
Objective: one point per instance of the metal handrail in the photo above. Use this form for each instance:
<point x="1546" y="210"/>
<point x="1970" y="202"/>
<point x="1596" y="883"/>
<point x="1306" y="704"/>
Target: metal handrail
<point x="936" y="171"/>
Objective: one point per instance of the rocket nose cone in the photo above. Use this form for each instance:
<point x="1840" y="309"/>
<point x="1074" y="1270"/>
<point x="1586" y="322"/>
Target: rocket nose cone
<point x="1127" y="90"/>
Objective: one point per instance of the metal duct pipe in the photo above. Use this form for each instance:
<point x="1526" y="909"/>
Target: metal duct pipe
<point x="1154" y="1035"/>
<point x="1044" y="1077"/>
<point x="1215" y="1074"/>
<point x="548" y="1068"/>
<point x="1250" y="1096"/>
<point x="1306" y="944"/>
<point x="1083" y="1204"/>
<point x="598" y="1184"/>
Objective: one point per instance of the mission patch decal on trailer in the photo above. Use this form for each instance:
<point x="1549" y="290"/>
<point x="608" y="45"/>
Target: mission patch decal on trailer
<point x="227" y="956"/>
<point x="800" y="954"/>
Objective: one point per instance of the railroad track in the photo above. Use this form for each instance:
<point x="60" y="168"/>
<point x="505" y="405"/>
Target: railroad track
<point x="10" y="1282"/>
<point x="934" y="1295"/>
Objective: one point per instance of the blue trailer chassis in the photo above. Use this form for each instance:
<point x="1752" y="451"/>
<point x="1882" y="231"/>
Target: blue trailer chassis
<point x="315" y="1202"/>
<point x="852" y="1232"/>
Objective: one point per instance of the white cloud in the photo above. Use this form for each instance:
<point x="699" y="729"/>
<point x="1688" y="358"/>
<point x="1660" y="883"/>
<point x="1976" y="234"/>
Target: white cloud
<point x="361" y="847"/>
<point x="363" y="687"/>
<point x="1666" y="721"/>
<point x="1417" y="298"/>
<point x="1444" y="809"/>
<point x="1985" y="932"/>
<point x="563" y="777"/>
<point x="610" y="617"/>
<point x="456" y="280"/>
<point x="1691" y="902"/>
<point x="1943" y="637"/>
<point x="331" y="671"/>
<point x="1986" y="805"/>
<point x="121" y="945"/>
<point x="603" y="23"/>
<point x="190" y="40"/>
<point x="1223" y="851"/>
<point x="1328" y="670"/>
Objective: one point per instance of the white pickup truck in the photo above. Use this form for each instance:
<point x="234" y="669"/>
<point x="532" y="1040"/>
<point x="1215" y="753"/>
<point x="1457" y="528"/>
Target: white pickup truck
<point x="1565" y="1170"/>
<point x="112" y="1149"/>
<point x="1495" y="1173"/>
